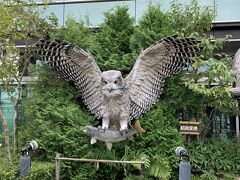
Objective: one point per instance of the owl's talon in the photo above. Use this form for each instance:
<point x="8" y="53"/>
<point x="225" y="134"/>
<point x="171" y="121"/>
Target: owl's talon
<point x="99" y="128"/>
<point x="121" y="132"/>
<point x="104" y="129"/>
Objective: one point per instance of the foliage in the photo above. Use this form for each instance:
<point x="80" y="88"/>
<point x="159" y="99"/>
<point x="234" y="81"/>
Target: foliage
<point x="182" y="19"/>
<point x="111" y="47"/>
<point x="19" y="21"/>
<point x="213" y="74"/>
<point x="160" y="168"/>
<point x="217" y="72"/>
<point x="132" y="177"/>
<point x="156" y="147"/>
<point x="152" y="27"/>
<point x="160" y="140"/>
<point x="208" y="79"/>
<point x="187" y="19"/>
<point x="59" y="120"/>
<point x="7" y="171"/>
<point x="38" y="170"/>
<point x="41" y="170"/>
<point x="75" y="32"/>
<point x="214" y="158"/>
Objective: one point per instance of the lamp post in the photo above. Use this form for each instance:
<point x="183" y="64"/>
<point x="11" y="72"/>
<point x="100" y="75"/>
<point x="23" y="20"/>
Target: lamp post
<point x="184" y="166"/>
<point x="25" y="160"/>
<point x="24" y="165"/>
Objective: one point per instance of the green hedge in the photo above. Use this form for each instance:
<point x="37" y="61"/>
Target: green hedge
<point x="42" y="170"/>
<point x="38" y="170"/>
<point x="214" y="159"/>
<point x="7" y="172"/>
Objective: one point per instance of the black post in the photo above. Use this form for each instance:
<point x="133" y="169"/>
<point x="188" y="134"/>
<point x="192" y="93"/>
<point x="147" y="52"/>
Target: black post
<point x="24" y="165"/>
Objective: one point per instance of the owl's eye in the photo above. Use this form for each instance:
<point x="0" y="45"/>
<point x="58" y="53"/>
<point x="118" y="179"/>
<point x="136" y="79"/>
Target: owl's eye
<point x="104" y="81"/>
<point x="116" y="81"/>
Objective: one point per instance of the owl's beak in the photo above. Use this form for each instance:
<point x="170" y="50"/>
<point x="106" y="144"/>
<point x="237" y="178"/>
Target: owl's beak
<point x="110" y="90"/>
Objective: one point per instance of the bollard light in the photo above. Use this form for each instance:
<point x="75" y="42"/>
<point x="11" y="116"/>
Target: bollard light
<point x="184" y="166"/>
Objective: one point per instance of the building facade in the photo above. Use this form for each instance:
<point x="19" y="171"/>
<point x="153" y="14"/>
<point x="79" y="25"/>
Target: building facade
<point x="226" y="11"/>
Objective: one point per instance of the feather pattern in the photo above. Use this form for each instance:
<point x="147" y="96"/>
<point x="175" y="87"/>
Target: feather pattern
<point x="74" y="64"/>
<point x="107" y="94"/>
<point x="164" y="58"/>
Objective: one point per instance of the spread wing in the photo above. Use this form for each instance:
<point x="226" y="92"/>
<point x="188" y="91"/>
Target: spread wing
<point x="74" y="64"/>
<point x="153" y="66"/>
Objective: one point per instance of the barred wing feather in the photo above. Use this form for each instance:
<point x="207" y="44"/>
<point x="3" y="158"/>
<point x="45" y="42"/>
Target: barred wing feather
<point x="74" y="64"/>
<point x="156" y="63"/>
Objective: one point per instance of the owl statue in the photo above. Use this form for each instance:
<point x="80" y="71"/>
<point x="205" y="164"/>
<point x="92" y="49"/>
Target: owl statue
<point x="109" y="96"/>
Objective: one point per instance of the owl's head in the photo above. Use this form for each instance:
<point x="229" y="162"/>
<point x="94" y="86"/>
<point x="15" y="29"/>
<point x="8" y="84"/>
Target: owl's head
<point x="112" y="83"/>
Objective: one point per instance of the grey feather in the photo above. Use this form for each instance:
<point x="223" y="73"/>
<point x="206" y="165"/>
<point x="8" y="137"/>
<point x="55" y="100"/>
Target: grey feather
<point x="156" y="63"/>
<point x="74" y="64"/>
<point x="107" y="94"/>
<point x="235" y="91"/>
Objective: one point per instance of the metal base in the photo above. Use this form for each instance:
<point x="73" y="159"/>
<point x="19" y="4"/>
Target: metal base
<point x="24" y="165"/>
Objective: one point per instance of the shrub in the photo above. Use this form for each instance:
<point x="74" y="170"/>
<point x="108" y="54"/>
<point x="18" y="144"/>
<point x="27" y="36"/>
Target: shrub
<point x="111" y="47"/>
<point x="42" y="170"/>
<point x="7" y="171"/>
<point x="214" y="158"/>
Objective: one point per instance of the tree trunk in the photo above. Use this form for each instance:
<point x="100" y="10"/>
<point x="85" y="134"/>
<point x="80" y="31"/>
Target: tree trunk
<point x="15" y="127"/>
<point x="210" y="120"/>
<point x="15" y="103"/>
<point x="7" y="137"/>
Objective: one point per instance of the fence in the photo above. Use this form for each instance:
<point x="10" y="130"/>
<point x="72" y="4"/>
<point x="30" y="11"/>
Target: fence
<point x="58" y="160"/>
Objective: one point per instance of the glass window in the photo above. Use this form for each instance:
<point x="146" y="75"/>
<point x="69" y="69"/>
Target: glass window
<point x="142" y="5"/>
<point x="56" y="9"/>
<point x="227" y="10"/>
<point x="165" y="5"/>
<point x="94" y="11"/>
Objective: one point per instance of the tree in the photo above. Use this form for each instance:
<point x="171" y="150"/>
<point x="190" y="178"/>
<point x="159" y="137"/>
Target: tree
<point x="210" y="77"/>
<point x="59" y="121"/>
<point x="207" y="82"/>
<point x="75" y="32"/>
<point x="111" y="47"/>
<point x="19" y="21"/>
<point x="153" y="26"/>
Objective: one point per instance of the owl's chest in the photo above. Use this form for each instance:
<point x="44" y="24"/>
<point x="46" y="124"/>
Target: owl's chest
<point x="114" y="108"/>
